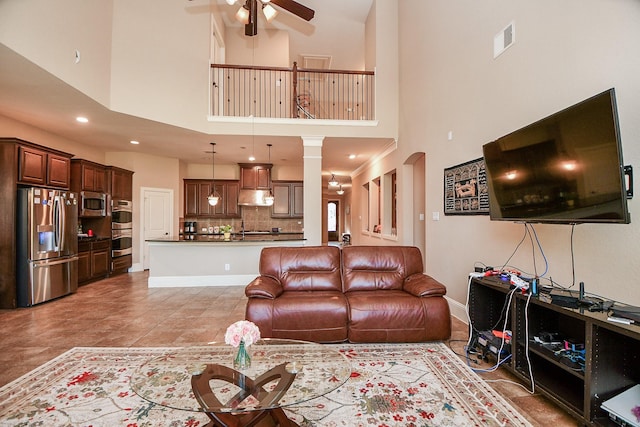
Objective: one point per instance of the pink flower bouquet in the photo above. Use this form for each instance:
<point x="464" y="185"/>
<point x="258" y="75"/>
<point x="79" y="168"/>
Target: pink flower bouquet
<point x="242" y="330"/>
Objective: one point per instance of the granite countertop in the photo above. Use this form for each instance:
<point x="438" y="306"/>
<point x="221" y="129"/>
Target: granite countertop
<point x="235" y="237"/>
<point x="85" y="238"/>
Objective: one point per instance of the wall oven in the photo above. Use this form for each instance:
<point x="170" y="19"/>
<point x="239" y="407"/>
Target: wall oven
<point x="121" y="242"/>
<point x="121" y="228"/>
<point x="121" y="214"/>
<point x="92" y="204"/>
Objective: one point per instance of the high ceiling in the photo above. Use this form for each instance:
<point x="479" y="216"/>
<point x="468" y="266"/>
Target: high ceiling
<point x="31" y="95"/>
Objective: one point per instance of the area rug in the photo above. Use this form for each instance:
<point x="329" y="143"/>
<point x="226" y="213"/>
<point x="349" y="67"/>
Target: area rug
<point x="407" y="385"/>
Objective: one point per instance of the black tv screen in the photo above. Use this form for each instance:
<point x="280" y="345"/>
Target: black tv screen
<point x="566" y="168"/>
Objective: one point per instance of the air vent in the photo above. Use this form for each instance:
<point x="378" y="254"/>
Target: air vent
<point x="504" y="39"/>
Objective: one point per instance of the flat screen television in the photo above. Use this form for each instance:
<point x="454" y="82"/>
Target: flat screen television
<point x="566" y="168"/>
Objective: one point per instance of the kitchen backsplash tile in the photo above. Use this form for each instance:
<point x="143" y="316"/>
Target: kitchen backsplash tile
<point x="256" y="218"/>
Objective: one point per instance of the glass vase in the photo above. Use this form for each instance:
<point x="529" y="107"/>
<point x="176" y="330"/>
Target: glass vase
<point x="243" y="358"/>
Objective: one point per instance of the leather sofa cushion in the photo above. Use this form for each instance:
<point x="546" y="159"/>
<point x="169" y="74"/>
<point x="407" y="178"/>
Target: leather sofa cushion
<point x="320" y="316"/>
<point x="379" y="267"/>
<point x="386" y="316"/>
<point x="312" y="268"/>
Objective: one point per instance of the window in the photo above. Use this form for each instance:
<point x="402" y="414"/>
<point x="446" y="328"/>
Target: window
<point x="332" y="217"/>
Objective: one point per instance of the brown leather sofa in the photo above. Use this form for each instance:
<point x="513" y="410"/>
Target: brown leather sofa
<point x="356" y="294"/>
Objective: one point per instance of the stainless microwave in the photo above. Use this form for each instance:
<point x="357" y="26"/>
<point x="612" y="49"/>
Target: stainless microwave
<point x="92" y="204"/>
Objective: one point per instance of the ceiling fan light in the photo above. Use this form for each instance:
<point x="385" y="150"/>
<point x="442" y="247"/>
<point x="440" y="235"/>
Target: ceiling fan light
<point x="269" y="12"/>
<point x="231" y="2"/>
<point x="243" y="15"/>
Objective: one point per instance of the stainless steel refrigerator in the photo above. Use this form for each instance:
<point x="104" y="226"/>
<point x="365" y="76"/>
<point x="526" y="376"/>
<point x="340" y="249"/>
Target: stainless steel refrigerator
<point x="47" y="245"/>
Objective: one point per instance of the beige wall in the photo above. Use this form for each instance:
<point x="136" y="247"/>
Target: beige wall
<point x="11" y="128"/>
<point x="564" y="52"/>
<point x="50" y="39"/>
<point x="269" y="48"/>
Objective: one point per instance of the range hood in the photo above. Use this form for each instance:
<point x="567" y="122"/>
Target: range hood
<point x="252" y="197"/>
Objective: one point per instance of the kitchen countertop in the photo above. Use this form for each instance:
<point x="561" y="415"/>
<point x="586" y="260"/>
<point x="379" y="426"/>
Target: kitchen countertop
<point x="235" y="237"/>
<point x="209" y="260"/>
<point x="93" y="238"/>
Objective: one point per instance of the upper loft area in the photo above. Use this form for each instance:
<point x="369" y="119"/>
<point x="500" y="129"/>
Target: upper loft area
<point x="142" y="71"/>
<point x="281" y="59"/>
<point x="278" y="93"/>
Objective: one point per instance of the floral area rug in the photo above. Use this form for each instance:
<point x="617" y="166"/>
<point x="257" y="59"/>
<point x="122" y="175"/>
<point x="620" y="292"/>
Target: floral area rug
<point x="390" y="385"/>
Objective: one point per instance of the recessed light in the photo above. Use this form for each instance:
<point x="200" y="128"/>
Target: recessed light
<point x="352" y="156"/>
<point x="81" y="119"/>
<point x="134" y="142"/>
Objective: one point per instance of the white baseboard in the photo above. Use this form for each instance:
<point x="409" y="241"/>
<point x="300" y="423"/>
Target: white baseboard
<point x="459" y="311"/>
<point x="135" y="268"/>
<point x="198" y="281"/>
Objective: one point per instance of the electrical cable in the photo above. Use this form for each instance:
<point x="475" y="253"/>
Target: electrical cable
<point x="546" y="261"/>
<point x="529" y="228"/>
<point x="573" y="259"/>
<point x="526" y="345"/>
<point x="502" y="343"/>
<point x="516" y="248"/>
<point x="471" y="328"/>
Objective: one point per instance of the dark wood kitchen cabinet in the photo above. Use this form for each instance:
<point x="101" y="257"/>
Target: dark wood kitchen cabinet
<point x="93" y="260"/>
<point x="255" y="176"/>
<point x="191" y="197"/>
<point x="120" y="183"/>
<point x="88" y="176"/>
<point x="196" y="204"/>
<point x="288" y="199"/>
<point x="44" y="167"/>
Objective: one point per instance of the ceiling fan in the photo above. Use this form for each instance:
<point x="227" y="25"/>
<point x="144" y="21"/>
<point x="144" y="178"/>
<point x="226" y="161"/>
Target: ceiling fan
<point x="248" y="12"/>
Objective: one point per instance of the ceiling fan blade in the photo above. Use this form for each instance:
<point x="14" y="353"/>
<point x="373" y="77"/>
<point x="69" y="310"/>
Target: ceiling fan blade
<point x="296" y="8"/>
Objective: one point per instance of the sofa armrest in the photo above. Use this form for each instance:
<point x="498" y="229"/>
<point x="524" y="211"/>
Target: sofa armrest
<point x="263" y="287"/>
<point x="422" y="285"/>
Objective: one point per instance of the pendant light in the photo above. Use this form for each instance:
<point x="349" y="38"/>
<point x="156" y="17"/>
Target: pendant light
<point x="333" y="182"/>
<point x="269" y="199"/>
<point x="214" y="197"/>
<point x="340" y="192"/>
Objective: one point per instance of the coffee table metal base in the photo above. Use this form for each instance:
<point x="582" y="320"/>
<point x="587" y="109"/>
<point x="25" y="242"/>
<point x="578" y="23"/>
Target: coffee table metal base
<point x="272" y="415"/>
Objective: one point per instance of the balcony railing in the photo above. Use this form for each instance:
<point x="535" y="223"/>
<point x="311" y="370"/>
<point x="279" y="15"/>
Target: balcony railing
<point x="272" y="92"/>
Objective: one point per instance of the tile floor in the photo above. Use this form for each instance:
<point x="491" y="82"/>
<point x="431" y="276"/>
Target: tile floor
<point x="122" y="312"/>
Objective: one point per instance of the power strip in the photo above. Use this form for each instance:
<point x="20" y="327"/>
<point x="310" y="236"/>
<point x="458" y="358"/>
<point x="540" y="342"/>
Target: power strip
<point x="518" y="282"/>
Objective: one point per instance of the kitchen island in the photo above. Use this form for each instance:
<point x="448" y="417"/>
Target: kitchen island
<point x="209" y="260"/>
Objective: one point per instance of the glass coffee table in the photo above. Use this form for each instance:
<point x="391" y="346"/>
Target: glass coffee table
<point x="202" y="379"/>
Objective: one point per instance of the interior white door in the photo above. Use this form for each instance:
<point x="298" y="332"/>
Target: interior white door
<point x="158" y="217"/>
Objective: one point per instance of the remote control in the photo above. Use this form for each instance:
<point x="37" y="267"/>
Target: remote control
<point x="620" y="320"/>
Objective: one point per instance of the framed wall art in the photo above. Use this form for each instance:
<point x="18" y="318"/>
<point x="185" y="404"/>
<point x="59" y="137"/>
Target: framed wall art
<point x="465" y="189"/>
